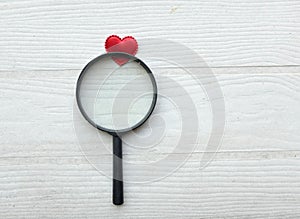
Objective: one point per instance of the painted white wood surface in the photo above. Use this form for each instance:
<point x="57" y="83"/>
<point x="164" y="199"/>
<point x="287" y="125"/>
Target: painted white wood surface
<point x="65" y="35"/>
<point x="252" y="47"/>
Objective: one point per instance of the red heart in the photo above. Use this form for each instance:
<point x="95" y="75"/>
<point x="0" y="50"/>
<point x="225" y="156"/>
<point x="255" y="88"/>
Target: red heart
<point x="127" y="45"/>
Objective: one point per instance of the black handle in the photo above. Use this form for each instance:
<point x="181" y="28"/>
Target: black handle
<point x="118" y="198"/>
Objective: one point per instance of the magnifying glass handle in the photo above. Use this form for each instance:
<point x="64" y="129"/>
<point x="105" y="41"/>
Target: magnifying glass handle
<point x="118" y="197"/>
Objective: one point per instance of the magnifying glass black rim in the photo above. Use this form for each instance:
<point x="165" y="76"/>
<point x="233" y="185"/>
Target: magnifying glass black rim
<point x="154" y="98"/>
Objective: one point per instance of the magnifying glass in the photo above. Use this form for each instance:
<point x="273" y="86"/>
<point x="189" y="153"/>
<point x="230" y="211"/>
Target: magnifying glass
<point x="116" y="99"/>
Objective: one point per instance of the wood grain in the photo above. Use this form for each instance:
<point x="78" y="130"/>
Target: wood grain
<point x="261" y="112"/>
<point x="66" y="35"/>
<point x="239" y="185"/>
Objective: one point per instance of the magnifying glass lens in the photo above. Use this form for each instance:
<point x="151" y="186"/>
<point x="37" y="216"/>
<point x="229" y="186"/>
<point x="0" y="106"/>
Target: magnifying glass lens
<point x="116" y="98"/>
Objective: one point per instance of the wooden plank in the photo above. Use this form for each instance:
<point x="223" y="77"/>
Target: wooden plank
<point x="261" y="113"/>
<point x="236" y="185"/>
<point x="66" y="35"/>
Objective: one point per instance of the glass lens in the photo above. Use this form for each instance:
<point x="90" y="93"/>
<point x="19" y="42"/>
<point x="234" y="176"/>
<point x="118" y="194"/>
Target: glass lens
<point x="116" y="97"/>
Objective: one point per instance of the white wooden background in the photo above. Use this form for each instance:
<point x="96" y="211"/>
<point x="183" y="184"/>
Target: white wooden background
<point x="253" y="47"/>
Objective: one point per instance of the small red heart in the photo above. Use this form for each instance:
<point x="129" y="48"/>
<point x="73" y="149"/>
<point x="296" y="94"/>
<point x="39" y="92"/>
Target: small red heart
<point x="127" y="45"/>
